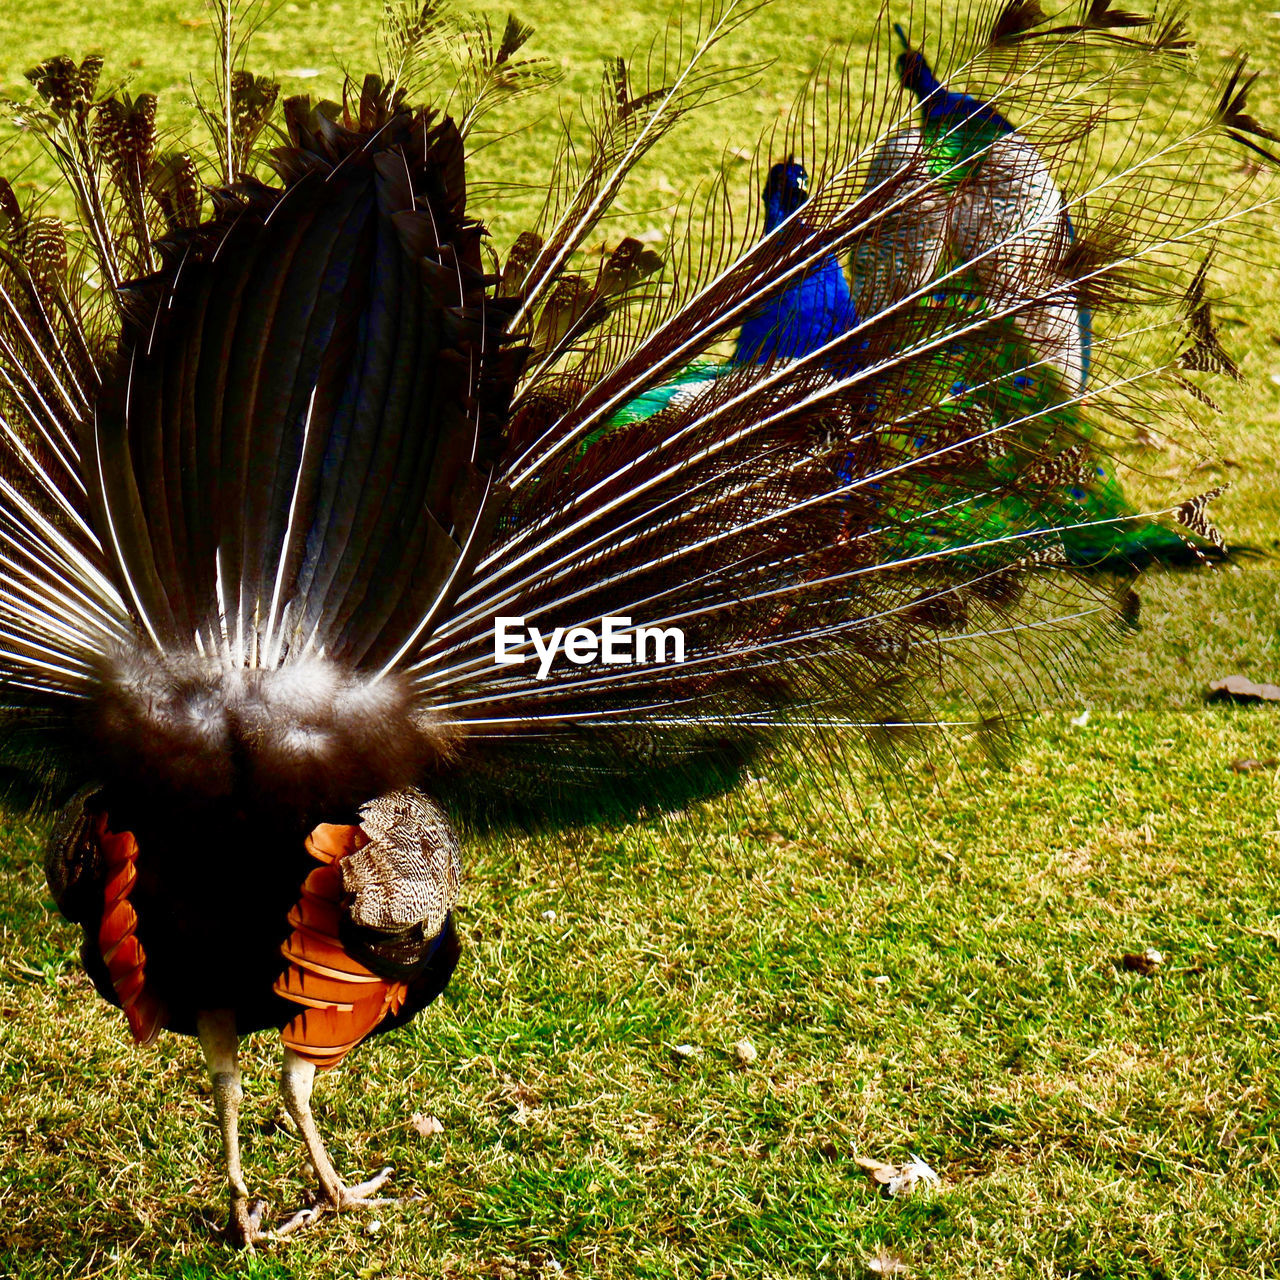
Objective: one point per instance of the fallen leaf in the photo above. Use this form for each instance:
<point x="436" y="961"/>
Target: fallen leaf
<point x="687" y="1051"/>
<point x="1082" y="719"/>
<point x="1144" y="962"/>
<point x="898" y="1179"/>
<point x="746" y="1052"/>
<point x="1240" y="689"/>
<point x="885" y="1263"/>
<point x="1249" y="764"/>
<point x="426" y="1126"/>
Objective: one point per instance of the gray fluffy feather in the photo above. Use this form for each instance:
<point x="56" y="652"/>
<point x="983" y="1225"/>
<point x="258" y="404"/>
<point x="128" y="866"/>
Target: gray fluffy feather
<point x="306" y="732"/>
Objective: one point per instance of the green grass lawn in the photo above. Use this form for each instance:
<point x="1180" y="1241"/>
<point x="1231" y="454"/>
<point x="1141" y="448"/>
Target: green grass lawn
<point x="930" y="964"/>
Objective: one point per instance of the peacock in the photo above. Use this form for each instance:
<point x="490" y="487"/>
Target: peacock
<point x="795" y="322"/>
<point x="811" y="312"/>
<point x="1013" y="221"/>
<point x="323" y="518"/>
<point x="1100" y="528"/>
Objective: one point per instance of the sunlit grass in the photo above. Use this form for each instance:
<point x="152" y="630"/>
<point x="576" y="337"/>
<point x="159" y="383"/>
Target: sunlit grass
<point x="941" y="974"/>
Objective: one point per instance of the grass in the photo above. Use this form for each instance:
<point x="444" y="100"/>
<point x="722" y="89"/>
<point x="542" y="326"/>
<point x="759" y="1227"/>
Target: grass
<point x="941" y="974"/>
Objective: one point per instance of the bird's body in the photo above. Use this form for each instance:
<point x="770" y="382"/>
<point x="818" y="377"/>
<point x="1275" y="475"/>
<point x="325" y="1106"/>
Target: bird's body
<point x="798" y="321"/>
<point x="312" y="515"/>
<point x="1010" y="222"/>
<point x="212" y="897"/>
<point x="812" y="311"/>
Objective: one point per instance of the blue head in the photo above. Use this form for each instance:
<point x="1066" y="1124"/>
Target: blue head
<point x="785" y="190"/>
<point x="913" y="70"/>
<point x="939" y="103"/>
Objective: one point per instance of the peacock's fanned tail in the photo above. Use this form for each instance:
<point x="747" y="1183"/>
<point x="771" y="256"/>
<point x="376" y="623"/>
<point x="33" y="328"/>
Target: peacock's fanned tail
<point x="286" y="492"/>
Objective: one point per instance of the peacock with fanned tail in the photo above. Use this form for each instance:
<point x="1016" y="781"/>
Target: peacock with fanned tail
<point x="941" y="263"/>
<point x="318" y="524"/>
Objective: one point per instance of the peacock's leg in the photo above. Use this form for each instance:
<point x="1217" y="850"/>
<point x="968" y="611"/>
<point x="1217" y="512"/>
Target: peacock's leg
<point x="217" y="1031"/>
<point x="410" y="849"/>
<point x="295" y="1087"/>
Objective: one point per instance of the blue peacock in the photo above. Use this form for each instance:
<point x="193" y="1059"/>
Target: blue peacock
<point x="789" y="324"/>
<point x="965" y="158"/>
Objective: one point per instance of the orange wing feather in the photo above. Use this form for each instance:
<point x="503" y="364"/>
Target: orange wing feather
<point x="122" y="952"/>
<point x="341" y="1000"/>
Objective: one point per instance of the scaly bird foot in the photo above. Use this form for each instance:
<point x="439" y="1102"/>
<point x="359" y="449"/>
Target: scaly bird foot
<point x="339" y="1198"/>
<point x="245" y="1227"/>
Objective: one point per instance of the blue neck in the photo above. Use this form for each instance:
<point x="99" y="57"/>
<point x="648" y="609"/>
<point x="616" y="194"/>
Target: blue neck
<point x="937" y="102"/>
<point x="948" y="107"/>
<point x="814" y="309"/>
<point x="777" y="209"/>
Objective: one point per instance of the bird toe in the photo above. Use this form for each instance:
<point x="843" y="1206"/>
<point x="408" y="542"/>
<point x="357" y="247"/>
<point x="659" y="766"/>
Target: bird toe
<point x="245" y="1226"/>
<point x="364" y="1194"/>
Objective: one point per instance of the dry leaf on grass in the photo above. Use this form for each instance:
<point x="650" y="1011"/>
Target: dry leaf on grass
<point x="898" y="1179"/>
<point x="1240" y="689"/>
<point x="1249" y="765"/>
<point x="1144" y="962"/>
<point x="886" y="1263"/>
<point x="426" y="1126"/>
<point x="745" y="1051"/>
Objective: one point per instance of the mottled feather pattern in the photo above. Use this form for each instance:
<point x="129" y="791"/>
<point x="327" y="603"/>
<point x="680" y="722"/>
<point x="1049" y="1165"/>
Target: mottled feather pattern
<point x="174" y="182"/>
<point x="1193" y="514"/>
<point x="67" y="88"/>
<point x="1206" y="354"/>
<point x="409" y="872"/>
